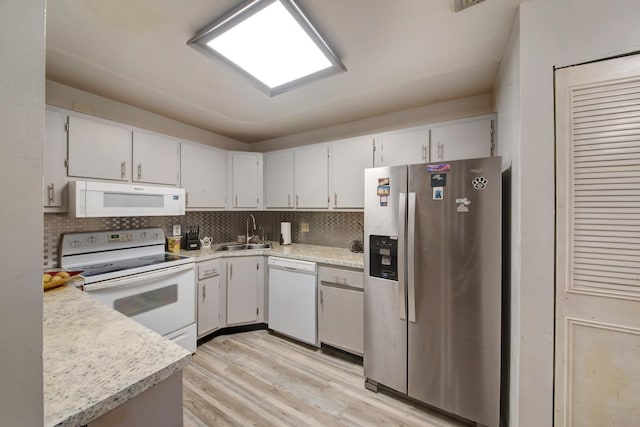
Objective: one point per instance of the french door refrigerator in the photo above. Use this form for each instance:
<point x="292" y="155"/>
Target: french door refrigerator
<point x="433" y="284"/>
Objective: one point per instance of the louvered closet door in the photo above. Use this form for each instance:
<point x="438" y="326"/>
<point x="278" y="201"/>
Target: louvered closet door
<point x="598" y="244"/>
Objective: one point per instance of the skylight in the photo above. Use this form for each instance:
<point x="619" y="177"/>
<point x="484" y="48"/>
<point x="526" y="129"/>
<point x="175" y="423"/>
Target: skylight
<point x="272" y="43"/>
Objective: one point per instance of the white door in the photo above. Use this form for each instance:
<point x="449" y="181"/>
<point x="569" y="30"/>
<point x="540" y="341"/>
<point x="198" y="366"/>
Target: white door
<point x="403" y="147"/>
<point x="597" y="378"/>
<point x="155" y="159"/>
<point x="242" y="290"/>
<point x="312" y="177"/>
<point x="462" y="140"/>
<point x="245" y="180"/>
<point x="208" y="305"/>
<point x="203" y="175"/>
<point x="349" y="159"/>
<point x="278" y="173"/>
<point x="99" y="149"/>
<point x="55" y="154"/>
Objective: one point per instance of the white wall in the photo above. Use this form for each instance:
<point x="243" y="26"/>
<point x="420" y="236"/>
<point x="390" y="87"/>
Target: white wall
<point x="551" y="33"/>
<point x="433" y="113"/>
<point x="507" y="98"/>
<point x="21" y="140"/>
<point x="78" y="100"/>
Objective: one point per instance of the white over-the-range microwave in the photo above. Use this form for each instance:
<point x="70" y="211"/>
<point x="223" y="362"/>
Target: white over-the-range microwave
<point x="107" y="199"/>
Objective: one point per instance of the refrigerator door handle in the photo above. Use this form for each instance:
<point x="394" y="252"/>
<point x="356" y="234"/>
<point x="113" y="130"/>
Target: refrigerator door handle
<point x="411" y="272"/>
<point x="402" y="215"/>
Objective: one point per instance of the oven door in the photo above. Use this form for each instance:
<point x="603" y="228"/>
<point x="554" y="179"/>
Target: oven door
<point x="162" y="300"/>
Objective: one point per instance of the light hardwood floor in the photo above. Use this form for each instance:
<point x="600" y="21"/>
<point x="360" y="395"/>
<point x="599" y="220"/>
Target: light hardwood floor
<point x="259" y="378"/>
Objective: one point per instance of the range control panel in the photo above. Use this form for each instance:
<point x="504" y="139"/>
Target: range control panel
<point x="383" y="257"/>
<point x="84" y="242"/>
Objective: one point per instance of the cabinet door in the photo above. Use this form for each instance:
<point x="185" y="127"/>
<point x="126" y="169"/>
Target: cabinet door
<point x="349" y="159"/>
<point x="98" y="149"/>
<point x="402" y="147"/>
<point x="341" y="318"/>
<point x="209" y="318"/>
<point x="246" y="180"/>
<point x="242" y="290"/>
<point x="278" y="175"/>
<point x="55" y="154"/>
<point x="155" y="159"/>
<point x="311" y="167"/>
<point x="203" y="174"/>
<point x="465" y="140"/>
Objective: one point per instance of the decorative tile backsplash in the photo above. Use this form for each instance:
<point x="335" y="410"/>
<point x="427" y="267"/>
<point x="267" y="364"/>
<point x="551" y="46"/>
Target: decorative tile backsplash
<point x="336" y="229"/>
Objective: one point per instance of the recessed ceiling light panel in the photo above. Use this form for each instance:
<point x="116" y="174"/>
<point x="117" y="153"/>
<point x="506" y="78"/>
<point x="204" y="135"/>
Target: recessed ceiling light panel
<point x="272" y="43"/>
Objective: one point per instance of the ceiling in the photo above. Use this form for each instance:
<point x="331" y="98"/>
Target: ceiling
<point x="399" y="55"/>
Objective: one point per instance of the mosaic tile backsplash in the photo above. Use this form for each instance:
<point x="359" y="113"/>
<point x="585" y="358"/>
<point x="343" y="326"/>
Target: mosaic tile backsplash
<point x="336" y="229"/>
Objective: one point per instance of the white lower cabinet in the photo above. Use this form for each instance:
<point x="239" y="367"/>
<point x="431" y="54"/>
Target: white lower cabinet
<point x="340" y="308"/>
<point x="245" y="289"/>
<point x="210" y="296"/>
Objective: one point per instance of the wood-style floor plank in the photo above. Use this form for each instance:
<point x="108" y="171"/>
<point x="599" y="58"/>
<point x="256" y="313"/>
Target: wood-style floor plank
<point x="261" y="379"/>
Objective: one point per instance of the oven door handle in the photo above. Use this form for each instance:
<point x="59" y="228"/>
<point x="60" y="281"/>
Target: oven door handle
<point x="125" y="281"/>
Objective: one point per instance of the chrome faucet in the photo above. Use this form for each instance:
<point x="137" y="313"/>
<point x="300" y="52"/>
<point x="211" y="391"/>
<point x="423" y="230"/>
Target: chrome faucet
<point x="254" y="228"/>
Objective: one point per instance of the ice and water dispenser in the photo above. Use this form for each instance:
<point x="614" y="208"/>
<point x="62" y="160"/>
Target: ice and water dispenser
<point x="383" y="257"/>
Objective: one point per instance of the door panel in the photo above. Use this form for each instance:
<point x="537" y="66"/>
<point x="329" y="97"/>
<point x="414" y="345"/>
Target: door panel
<point x="454" y="342"/>
<point x="385" y="325"/>
<point x="597" y="378"/>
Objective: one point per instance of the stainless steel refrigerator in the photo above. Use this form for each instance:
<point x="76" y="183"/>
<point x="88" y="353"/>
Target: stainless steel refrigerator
<point x="433" y="284"/>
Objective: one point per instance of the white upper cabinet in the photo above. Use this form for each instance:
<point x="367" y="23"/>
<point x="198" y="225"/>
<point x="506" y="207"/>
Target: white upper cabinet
<point x="155" y="159"/>
<point x="349" y="158"/>
<point x="203" y="174"/>
<point x="402" y="147"/>
<point x="98" y="149"/>
<point x="246" y="180"/>
<point x="55" y="155"/>
<point x="462" y="140"/>
<point x="278" y="177"/>
<point x="311" y="177"/>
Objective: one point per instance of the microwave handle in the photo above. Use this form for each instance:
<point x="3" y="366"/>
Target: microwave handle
<point x="126" y="281"/>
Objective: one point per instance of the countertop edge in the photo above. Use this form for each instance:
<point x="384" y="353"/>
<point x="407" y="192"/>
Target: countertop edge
<point x="277" y="250"/>
<point x="100" y="408"/>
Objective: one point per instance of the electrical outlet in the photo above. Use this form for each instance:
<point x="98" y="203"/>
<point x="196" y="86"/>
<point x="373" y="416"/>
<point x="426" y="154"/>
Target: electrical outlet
<point x="177" y="230"/>
<point x="304" y="227"/>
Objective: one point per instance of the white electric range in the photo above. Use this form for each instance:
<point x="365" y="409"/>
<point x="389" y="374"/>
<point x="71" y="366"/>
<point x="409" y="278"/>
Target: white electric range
<point x="130" y="271"/>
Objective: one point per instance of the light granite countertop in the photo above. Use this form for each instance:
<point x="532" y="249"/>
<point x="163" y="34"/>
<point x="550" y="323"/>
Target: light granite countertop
<point x="321" y="254"/>
<point x="96" y="358"/>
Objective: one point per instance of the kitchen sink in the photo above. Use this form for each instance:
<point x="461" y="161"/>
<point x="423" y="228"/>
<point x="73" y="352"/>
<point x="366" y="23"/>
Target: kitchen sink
<point x="242" y="246"/>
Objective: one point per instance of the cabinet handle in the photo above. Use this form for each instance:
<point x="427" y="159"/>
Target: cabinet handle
<point x="335" y="200"/>
<point x="321" y="298"/>
<point x="288" y="200"/>
<point x="186" y="198"/>
<point x="297" y="200"/>
<point x="204" y="293"/>
<point x="236" y="205"/>
<point x="440" y="151"/>
<point x="139" y="171"/>
<point x="424" y="153"/>
<point x="51" y="193"/>
<point x="230" y="271"/>
<point x="123" y="172"/>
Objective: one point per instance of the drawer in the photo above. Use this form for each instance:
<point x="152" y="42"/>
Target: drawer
<point x="341" y="276"/>
<point x="208" y="268"/>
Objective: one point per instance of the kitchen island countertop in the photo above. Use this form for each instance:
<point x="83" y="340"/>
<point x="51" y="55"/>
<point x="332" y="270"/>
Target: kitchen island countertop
<point x="321" y="254"/>
<point x="95" y="359"/>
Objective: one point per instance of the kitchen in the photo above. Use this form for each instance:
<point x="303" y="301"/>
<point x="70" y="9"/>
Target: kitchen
<point x="525" y="120"/>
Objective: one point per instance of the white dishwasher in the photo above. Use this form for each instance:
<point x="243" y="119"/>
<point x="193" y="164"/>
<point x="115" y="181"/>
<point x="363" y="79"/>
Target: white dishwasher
<point x="293" y="299"/>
